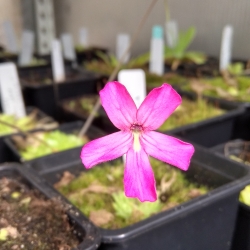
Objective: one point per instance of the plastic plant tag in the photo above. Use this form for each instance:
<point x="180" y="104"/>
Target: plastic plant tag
<point x="11" y="41"/>
<point x="57" y="62"/>
<point x="27" y="48"/>
<point x="83" y="37"/>
<point x="156" y="62"/>
<point x="11" y="94"/>
<point x="135" y="82"/>
<point x="172" y="33"/>
<point x="122" y="44"/>
<point x="226" y="47"/>
<point x="68" y="47"/>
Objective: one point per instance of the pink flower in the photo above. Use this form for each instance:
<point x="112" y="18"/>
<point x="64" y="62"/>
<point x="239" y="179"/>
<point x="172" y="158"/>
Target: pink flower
<point x="136" y="138"/>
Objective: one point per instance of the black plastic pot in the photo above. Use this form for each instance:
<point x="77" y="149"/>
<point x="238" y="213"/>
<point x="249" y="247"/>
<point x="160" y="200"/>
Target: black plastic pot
<point x="90" y="236"/>
<point x="206" y="222"/>
<point x="241" y="238"/>
<point x="69" y="128"/>
<point x="5" y="154"/>
<point x="208" y="69"/>
<point x="209" y="133"/>
<point x="45" y="96"/>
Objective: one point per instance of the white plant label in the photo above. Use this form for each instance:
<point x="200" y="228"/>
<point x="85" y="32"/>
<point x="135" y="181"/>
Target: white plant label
<point x="68" y="47"/>
<point x="10" y="89"/>
<point x="10" y="37"/>
<point x="57" y="61"/>
<point x="172" y="33"/>
<point x="156" y="62"/>
<point x="135" y="82"/>
<point x="27" y="48"/>
<point x="226" y="47"/>
<point x="122" y="44"/>
<point x="83" y="37"/>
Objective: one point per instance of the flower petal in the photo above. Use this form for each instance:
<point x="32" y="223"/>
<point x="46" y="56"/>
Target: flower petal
<point x="159" y="104"/>
<point x="106" y="148"/>
<point x="118" y="105"/>
<point x="167" y="148"/>
<point x="139" y="181"/>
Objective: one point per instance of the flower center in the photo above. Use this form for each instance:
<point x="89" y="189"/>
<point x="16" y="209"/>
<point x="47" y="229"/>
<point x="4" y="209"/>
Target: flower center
<point x="136" y="130"/>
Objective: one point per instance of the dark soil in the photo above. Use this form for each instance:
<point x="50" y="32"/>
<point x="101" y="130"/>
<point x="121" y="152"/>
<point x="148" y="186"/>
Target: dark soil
<point x="44" y="75"/>
<point x="208" y="69"/>
<point x="238" y="151"/>
<point x="31" y="221"/>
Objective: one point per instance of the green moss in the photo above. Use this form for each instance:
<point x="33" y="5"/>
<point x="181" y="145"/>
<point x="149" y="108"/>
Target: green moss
<point x="218" y="87"/>
<point x="190" y="112"/>
<point x="102" y="188"/>
<point x="56" y="141"/>
<point x="25" y="123"/>
<point x="154" y="80"/>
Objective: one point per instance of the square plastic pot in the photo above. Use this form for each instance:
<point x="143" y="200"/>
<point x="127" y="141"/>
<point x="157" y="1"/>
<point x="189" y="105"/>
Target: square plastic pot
<point x="206" y="222"/>
<point x="209" y="133"/>
<point x="241" y="238"/>
<point x="45" y="96"/>
<point x="68" y="128"/>
<point x="90" y="235"/>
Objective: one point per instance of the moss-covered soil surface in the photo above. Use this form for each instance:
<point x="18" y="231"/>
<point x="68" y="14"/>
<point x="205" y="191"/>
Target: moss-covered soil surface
<point x="29" y="122"/>
<point x="43" y="143"/>
<point x="233" y="89"/>
<point x="31" y="222"/>
<point x="188" y="112"/>
<point x="99" y="194"/>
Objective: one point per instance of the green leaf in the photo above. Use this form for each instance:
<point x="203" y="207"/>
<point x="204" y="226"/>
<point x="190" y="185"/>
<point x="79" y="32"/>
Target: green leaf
<point x="195" y="56"/>
<point x="184" y="40"/>
<point x="139" y="61"/>
<point x="236" y="68"/>
<point x="104" y="57"/>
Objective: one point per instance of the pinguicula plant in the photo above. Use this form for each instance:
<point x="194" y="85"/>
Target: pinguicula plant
<point x="137" y="139"/>
<point x="180" y="53"/>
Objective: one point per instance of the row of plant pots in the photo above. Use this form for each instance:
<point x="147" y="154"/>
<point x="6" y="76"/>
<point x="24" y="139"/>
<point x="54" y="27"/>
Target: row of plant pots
<point x="58" y="163"/>
<point x="222" y="178"/>
<point x="215" y="186"/>
<point x="82" y="55"/>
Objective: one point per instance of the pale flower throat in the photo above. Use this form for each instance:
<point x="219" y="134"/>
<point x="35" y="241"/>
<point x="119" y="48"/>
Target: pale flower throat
<point x="136" y="130"/>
